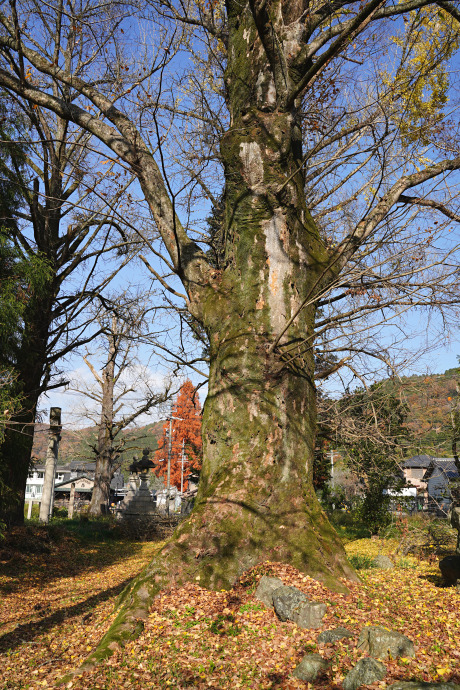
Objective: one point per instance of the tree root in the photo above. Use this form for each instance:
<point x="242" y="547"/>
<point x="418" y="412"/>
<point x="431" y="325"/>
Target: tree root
<point x="215" y="555"/>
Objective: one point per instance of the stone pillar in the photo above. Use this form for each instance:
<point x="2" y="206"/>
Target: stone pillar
<point x="71" y="501"/>
<point x="46" y="506"/>
<point x="132" y="488"/>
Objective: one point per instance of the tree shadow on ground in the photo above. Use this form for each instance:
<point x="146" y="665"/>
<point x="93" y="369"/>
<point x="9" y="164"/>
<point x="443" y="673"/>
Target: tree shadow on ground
<point x="436" y="580"/>
<point x="26" y="632"/>
<point x="33" y="551"/>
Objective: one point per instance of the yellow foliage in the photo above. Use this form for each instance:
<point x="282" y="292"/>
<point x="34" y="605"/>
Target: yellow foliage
<point x="419" y="85"/>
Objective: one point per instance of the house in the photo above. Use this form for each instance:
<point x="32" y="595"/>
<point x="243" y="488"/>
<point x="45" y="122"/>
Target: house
<point x="80" y="473"/>
<point x="430" y="476"/>
<point x="36" y="477"/>
<point x="438" y="477"/>
<point x="414" y="470"/>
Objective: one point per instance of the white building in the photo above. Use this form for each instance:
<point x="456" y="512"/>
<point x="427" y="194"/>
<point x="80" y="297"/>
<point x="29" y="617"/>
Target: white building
<point x="35" y="479"/>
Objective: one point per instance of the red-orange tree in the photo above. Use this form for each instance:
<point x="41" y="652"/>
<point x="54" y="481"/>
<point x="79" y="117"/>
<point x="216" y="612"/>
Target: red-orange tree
<point x="186" y="435"/>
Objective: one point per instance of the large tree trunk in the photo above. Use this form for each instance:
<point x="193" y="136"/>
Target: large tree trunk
<point x="15" y="452"/>
<point x="103" y="476"/>
<point x="256" y="500"/>
<point x="16" y="449"/>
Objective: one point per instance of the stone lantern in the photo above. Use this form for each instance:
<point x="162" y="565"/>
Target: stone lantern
<point x="138" y="501"/>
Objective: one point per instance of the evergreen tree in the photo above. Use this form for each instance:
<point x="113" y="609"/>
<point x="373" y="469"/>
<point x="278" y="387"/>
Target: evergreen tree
<point x="376" y="446"/>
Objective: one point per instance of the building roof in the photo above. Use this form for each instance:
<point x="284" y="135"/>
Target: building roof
<point x="83" y="466"/>
<point x="442" y="467"/>
<point x="65" y="486"/>
<point x="425" y="461"/>
<point x="75" y="465"/>
<point x="418" y="461"/>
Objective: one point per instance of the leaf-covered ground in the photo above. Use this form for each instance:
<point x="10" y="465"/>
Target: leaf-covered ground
<point x="56" y="606"/>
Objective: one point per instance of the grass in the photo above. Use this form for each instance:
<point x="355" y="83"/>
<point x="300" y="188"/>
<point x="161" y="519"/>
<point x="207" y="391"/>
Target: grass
<point x="347" y="527"/>
<point x="361" y="561"/>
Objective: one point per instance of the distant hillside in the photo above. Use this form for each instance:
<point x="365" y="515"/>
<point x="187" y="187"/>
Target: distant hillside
<point x="74" y="444"/>
<point x="430" y="401"/>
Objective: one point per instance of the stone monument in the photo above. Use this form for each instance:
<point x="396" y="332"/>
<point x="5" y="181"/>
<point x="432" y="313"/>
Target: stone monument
<point x="138" y="502"/>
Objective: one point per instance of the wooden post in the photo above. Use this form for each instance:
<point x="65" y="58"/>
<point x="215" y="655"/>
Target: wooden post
<point x="71" y="501"/>
<point x="46" y="506"/>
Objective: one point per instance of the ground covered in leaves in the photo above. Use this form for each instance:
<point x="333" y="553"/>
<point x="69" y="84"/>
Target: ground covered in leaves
<point x="57" y="603"/>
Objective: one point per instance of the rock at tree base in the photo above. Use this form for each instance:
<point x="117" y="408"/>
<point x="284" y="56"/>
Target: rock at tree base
<point x="450" y="569"/>
<point x="383" y="562"/>
<point x="309" y="668"/>
<point x="286" y="599"/>
<point x="290" y="603"/>
<point x="309" y="614"/>
<point x="366" y="671"/>
<point x="330" y="636"/>
<point x="266" y="587"/>
<point x="380" y="643"/>
<point x="422" y="685"/>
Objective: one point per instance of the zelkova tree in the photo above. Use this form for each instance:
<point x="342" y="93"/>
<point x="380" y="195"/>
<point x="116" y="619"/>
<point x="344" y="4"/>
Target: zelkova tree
<point x="186" y="446"/>
<point x="276" y="73"/>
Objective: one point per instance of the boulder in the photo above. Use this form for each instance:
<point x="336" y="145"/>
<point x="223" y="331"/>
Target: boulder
<point x="450" y="569"/>
<point x="366" y="671"/>
<point x="329" y="636"/>
<point x="383" y="562"/>
<point x="454" y="516"/>
<point x="310" y="667"/>
<point x="309" y="614"/>
<point x="285" y="600"/>
<point x="380" y="643"/>
<point x="422" y="685"/>
<point x="265" y="589"/>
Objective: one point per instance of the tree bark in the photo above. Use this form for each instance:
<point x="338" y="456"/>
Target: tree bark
<point x="15" y="459"/>
<point x="255" y="500"/>
<point x="104" y="450"/>
<point x="30" y="366"/>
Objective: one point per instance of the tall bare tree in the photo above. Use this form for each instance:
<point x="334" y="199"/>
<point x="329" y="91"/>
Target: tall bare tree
<point x="122" y="390"/>
<point x="269" y="66"/>
<point x="64" y="223"/>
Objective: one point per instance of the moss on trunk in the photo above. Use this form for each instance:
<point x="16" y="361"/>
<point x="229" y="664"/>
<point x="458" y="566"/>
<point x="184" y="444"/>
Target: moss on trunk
<point x="256" y="501"/>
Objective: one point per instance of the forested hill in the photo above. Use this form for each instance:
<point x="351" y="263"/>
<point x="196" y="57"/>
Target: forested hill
<point x="430" y="399"/>
<point x="74" y="444"/>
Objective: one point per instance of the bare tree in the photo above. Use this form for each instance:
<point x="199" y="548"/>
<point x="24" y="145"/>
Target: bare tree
<point x="122" y="391"/>
<point x="270" y="284"/>
<point x="63" y="226"/>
